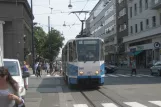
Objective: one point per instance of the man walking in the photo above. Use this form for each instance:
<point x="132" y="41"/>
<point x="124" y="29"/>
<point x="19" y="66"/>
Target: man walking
<point x="133" y="66"/>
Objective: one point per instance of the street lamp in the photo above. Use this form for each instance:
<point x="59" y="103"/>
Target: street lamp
<point x="70" y="5"/>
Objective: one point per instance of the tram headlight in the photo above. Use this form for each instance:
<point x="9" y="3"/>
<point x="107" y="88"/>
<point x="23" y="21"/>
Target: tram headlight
<point x="81" y="72"/>
<point x="97" y="72"/>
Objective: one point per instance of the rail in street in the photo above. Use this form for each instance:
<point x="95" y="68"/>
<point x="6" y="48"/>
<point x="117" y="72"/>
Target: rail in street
<point x="51" y="91"/>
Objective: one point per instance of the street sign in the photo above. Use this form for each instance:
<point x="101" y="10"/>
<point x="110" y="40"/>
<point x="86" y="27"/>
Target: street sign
<point x="157" y="45"/>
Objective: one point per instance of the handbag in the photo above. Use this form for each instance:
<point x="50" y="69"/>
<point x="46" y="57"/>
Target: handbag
<point x="25" y="74"/>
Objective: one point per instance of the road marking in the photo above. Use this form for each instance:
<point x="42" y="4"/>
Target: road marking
<point x="80" y="105"/>
<point x="123" y="75"/>
<point x="145" y="75"/>
<point x="112" y="75"/>
<point x="108" y="105"/>
<point x="158" y="103"/>
<point x="134" y="104"/>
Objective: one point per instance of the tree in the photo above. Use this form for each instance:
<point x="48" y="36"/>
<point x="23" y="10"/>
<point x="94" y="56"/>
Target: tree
<point x="39" y="39"/>
<point x="53" y="44"/>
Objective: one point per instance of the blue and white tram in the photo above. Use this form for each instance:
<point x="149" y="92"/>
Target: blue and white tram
<point x="83" y="61"/>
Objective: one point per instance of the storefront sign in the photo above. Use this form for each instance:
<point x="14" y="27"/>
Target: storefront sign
<point x="140" y="47"/>
<point x="132" y="49"/>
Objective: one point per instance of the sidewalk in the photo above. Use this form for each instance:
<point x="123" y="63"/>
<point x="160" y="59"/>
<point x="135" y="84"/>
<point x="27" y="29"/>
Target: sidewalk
<point x="45" y="73"/>
<point x="138" y="69"/>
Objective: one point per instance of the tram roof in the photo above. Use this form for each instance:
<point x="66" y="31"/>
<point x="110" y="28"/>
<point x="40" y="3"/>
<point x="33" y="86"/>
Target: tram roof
<point x="84" y="38"/>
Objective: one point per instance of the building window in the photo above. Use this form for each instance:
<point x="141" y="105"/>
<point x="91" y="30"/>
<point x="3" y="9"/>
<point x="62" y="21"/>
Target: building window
<point x="154" y="21"/>
<point x="140" y="6"/>
<point x="147" y="23"/>
<point x="120" y="1"/>
<point x="146" y="4"/>
<point x="122" y="27"/>
<point x="131" y="29"/>
<point x="135" y="7"/>
<point x="130" y="11"/>
<point x="122" y="12"/>
<point x="141" y="26"/>
<point x="136" y="28"/>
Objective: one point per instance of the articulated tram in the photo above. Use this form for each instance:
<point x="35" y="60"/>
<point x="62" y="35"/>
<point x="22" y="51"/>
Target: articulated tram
<point x="83" y="61"/>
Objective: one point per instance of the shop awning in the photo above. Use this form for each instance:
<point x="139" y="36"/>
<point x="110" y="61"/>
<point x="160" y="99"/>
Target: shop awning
<point x="134" y="53"/>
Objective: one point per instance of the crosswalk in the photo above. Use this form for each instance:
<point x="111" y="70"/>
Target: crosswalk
<point x="48" y="75"/>
<point x="128" y="75"/>
<point x="109" y="75"/>
<point x="129" y="104"/>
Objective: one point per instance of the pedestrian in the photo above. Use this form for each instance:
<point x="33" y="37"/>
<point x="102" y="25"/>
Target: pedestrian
<point x="25" y="69"/>
<point x="9" y="91"/>
<point x="35" y="67"/>
<point x="38" y="70"/>
<point x="47" y="67"/>
<point x="133" y="66"/>
<point x="51" y="68"/>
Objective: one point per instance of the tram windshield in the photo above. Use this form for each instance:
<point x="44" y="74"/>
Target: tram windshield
<point x="88" y="50"/>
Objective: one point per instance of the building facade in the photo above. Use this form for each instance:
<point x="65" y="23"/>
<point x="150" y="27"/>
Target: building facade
<point x="143" y="42"/>
<point x="1" y="43"/>
<point x="122" y="28"/>
<point x="17" y="28"/>
<point x="102" y="23"/>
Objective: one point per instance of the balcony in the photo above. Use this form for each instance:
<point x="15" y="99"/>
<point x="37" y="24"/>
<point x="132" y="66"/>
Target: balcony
<point x="156" y="4"/>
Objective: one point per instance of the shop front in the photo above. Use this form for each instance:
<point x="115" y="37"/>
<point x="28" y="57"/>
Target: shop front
<point x="142" y="54"/>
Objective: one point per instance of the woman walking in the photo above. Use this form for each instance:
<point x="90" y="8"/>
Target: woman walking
<point x="25" y="69"/>
<point x="9" y="91"/>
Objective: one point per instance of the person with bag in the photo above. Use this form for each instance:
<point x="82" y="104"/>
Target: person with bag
<point x="25" y="69"/>
<point x="9" y="90"/>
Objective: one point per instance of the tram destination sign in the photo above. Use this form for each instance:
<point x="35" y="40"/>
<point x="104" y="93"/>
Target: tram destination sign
<point x="88" y="42"/>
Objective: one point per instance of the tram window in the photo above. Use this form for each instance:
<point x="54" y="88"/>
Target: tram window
<point x="74" y="51"/>
<point x="70" y="52"/>
<point x="65" y="53"/>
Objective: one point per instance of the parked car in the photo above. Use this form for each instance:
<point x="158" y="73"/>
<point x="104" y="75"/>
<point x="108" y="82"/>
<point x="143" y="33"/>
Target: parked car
<point x="156" y="68"/>
<point x="110" y="68"/>
<point x="14" y="68"/>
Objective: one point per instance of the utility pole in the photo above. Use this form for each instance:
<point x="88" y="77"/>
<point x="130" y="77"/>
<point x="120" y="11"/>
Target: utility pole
<point x="117" y="30"/>
<point x="82" y="21"/>
<point x="33" y="50"/>
<point x="49" y="28"/>
<point x="48" y="24"/>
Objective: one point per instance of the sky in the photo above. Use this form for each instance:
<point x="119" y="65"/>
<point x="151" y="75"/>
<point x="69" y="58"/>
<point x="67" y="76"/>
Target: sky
<point x="60" y="14"/>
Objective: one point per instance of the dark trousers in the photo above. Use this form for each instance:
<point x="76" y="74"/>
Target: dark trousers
<point x="38" y="73"/>
<point x="133" y="71"/>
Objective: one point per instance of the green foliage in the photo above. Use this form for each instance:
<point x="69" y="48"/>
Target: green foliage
<point x="53" y="44"/>
<point x="48" y="45"/>
<point x="39" y="40"/>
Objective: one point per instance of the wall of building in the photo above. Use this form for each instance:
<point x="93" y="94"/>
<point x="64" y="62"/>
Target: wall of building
<point x="18" y="20"/>
<point x="1" y="43"/>
<point x="142" y="17"/>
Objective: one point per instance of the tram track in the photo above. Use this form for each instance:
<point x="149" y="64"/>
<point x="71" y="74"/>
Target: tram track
<point x="92" y="104"/>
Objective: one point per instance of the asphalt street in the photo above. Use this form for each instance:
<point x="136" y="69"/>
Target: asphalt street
<point x="120" y="90"/>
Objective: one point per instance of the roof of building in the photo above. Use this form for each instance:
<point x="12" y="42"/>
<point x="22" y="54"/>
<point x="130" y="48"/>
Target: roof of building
<point x="25" y="3"/>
